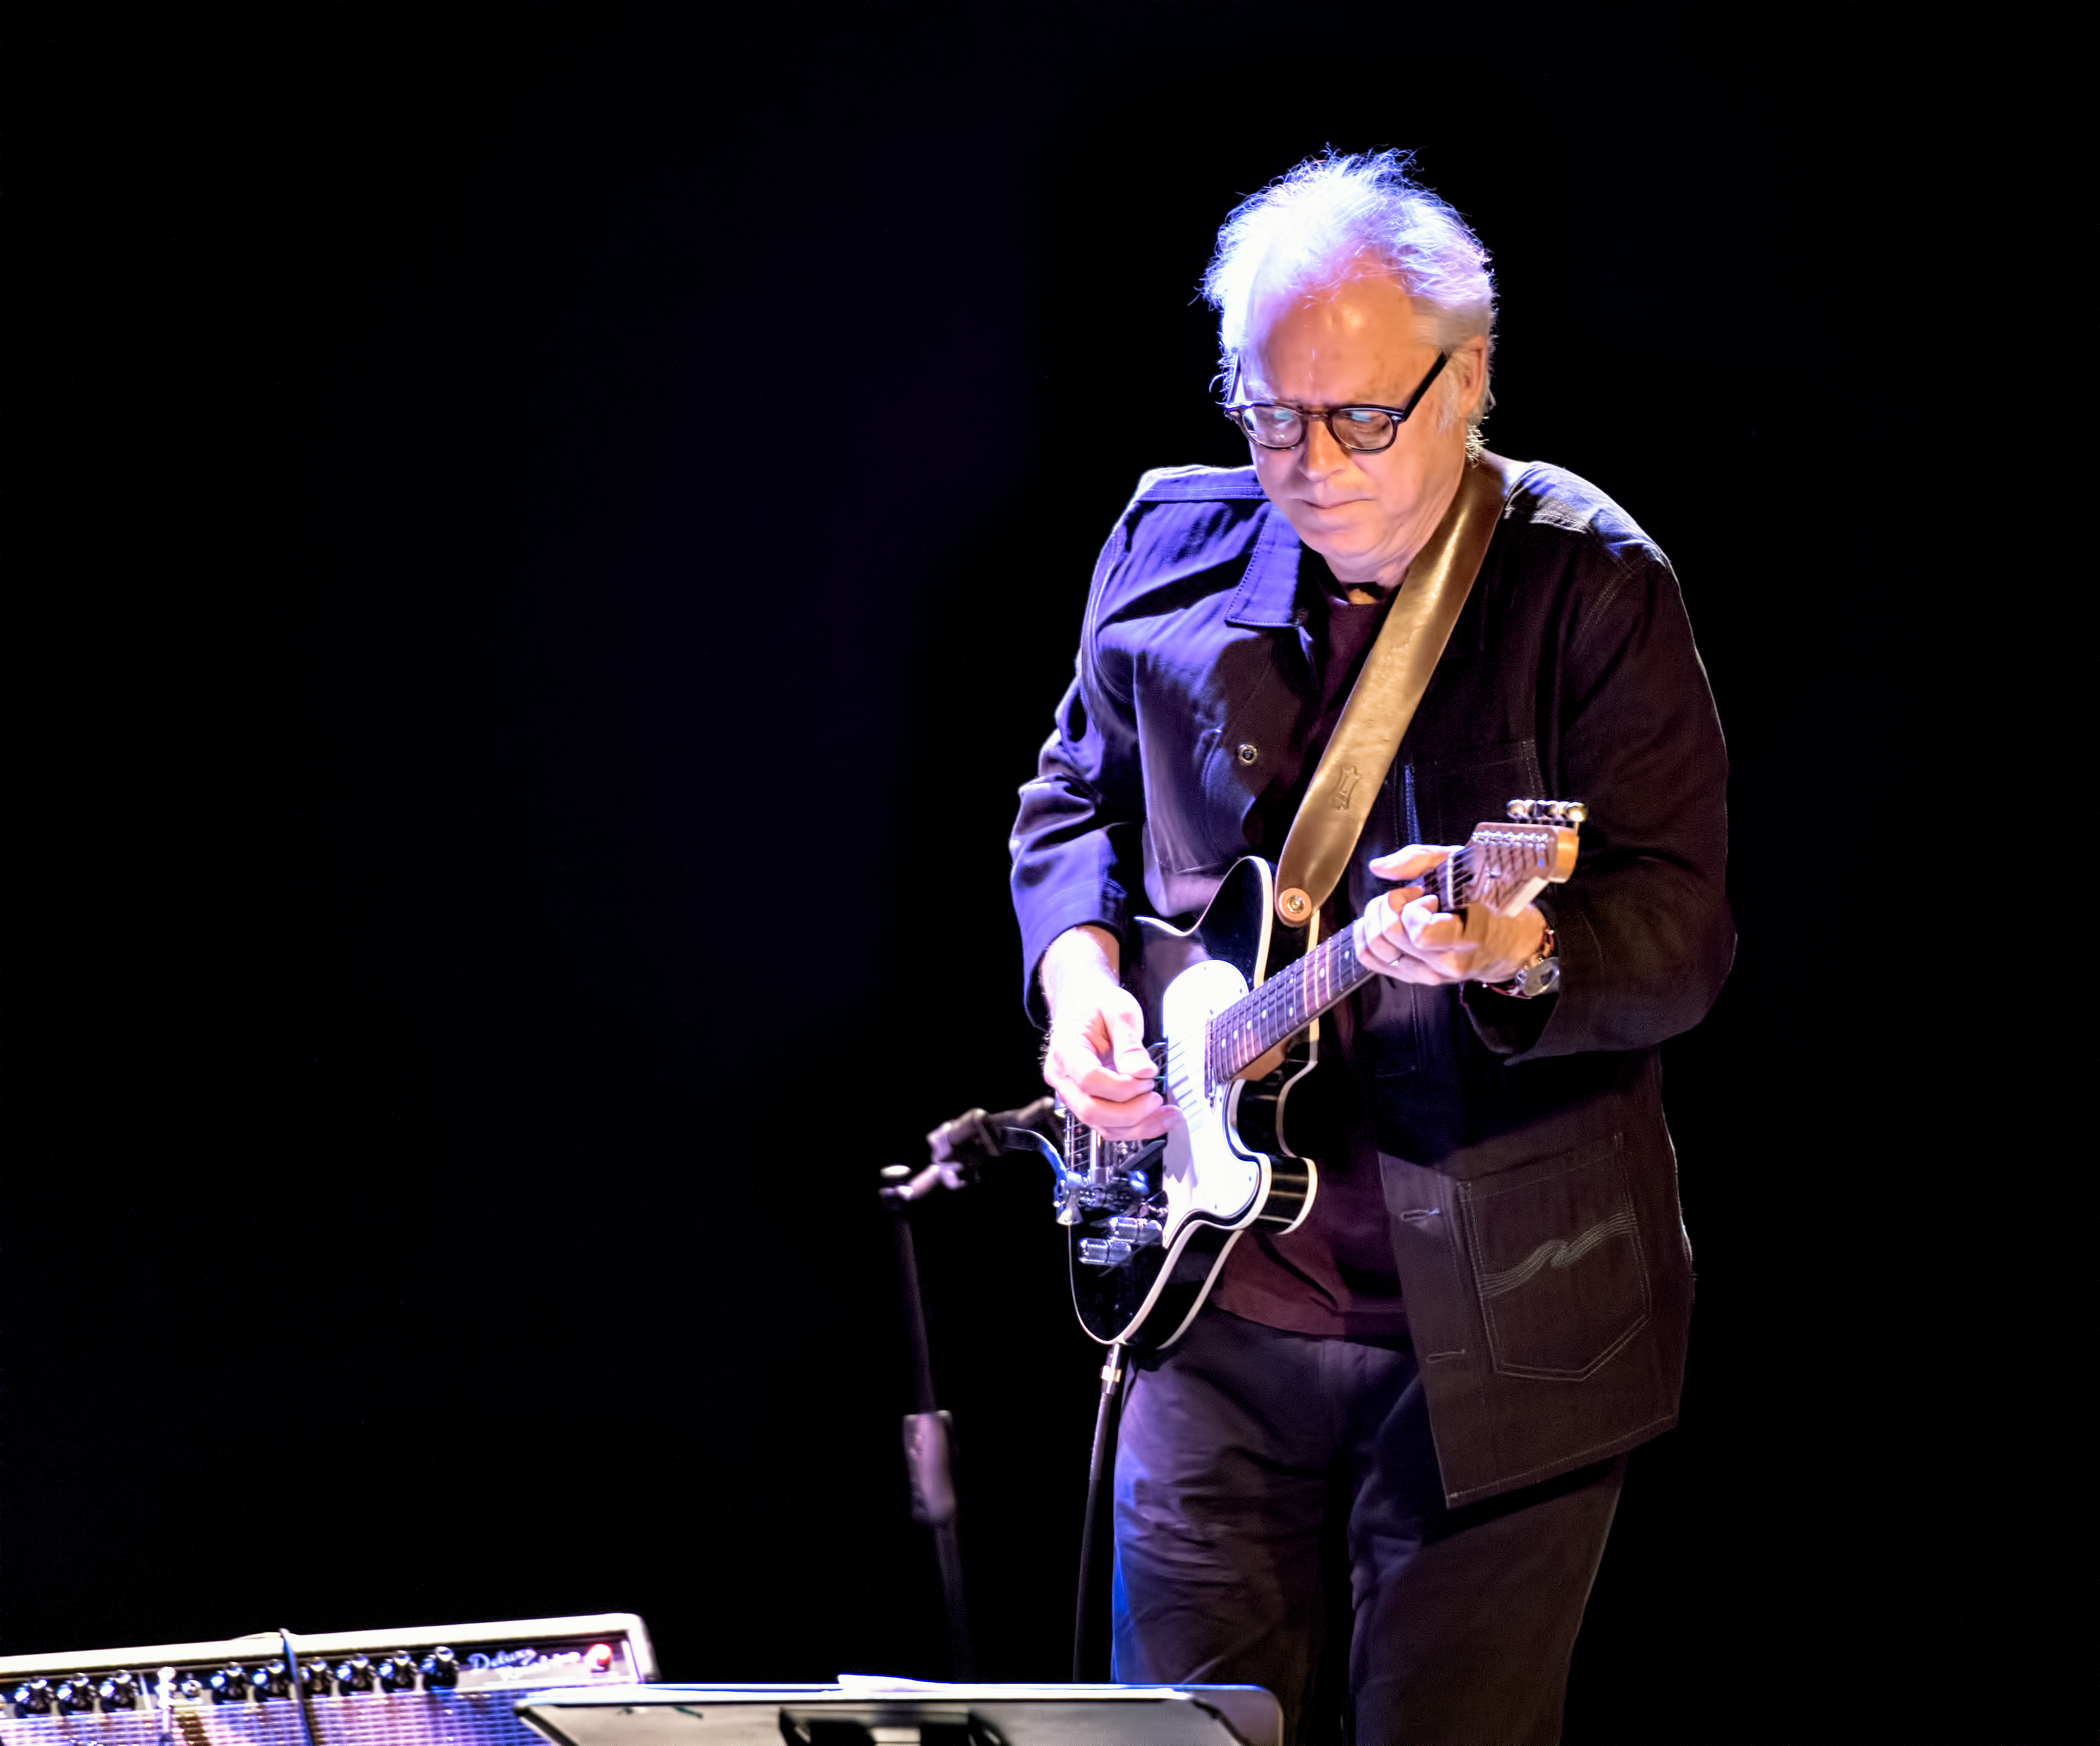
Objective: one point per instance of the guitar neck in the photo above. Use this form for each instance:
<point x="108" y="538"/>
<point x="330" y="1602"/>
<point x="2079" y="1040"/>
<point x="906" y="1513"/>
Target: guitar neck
<point x="1327" y="975"/>
<point x="1284" y="1005"/>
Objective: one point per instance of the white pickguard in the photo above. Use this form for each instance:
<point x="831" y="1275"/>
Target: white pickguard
<point x="1205" y="1172"/>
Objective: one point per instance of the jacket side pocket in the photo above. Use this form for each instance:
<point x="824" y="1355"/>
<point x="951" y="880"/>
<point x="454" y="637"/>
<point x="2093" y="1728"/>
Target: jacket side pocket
<point x="1558" y="1265"/>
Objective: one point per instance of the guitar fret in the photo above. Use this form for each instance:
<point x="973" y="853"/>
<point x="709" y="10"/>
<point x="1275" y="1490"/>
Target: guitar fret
<point x="1291" y="999"/>
<point x="1486" y="869"/>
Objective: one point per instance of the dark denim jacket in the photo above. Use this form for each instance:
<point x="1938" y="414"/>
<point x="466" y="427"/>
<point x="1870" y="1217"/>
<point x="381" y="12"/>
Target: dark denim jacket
<point x="1571" y="674"/>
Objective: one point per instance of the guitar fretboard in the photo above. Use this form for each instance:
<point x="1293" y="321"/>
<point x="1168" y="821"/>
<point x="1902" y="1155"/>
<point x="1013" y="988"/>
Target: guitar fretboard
<point x="1325" y="977"/>
<point x="1284" y="1005"/>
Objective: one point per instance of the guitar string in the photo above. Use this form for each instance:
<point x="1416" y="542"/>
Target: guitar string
<point x="1271" y="1013"/>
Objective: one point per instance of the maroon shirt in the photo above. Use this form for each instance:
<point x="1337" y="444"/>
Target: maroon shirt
<point x="1334" y="1275"/>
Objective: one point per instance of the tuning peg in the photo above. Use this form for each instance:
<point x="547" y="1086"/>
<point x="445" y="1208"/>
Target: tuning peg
<point x="1547" y="812"/>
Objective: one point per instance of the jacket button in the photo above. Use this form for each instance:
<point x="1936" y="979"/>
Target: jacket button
<point x="1248" y="754"/>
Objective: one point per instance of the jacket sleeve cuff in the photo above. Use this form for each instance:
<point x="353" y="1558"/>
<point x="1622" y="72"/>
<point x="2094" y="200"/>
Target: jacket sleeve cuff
<point x="1108" y="908"/>
<point x="1569" y="1008"/>
<point x="1515" y="1029"/>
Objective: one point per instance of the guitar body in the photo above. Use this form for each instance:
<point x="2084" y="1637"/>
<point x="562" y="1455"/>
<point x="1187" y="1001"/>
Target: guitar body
<point x="1232" y="1015"/>
<point x="1152" y="1222"/>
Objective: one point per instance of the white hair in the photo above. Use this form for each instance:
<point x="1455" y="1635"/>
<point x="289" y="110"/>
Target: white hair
<point x="1314" y="226"/>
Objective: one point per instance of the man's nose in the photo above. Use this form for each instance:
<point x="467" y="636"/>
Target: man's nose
<point x="1321" y="456"/>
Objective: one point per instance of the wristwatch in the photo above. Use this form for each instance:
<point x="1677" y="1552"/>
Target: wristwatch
<point x="1540" y="974"/>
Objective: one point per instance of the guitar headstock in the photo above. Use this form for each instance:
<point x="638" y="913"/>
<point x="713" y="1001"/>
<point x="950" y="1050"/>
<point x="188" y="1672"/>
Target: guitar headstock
<point x="1510" y="862"/>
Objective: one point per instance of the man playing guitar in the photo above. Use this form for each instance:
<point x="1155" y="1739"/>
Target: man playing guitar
<point x="1392" y="1439"/>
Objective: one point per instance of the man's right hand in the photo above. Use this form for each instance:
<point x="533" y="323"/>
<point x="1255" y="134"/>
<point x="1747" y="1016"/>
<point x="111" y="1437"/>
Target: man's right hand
<point x="1096" y="1059"/>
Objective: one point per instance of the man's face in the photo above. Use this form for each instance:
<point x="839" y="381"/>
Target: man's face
<point x="1359" y="343"/>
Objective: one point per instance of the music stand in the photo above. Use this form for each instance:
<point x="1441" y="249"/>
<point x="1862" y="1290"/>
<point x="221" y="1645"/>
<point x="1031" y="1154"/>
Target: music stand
<point x="907" y="1713"/>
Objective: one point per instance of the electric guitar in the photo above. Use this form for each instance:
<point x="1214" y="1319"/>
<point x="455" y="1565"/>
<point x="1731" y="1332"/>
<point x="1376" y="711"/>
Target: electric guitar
<point x="1232" y="1007"/>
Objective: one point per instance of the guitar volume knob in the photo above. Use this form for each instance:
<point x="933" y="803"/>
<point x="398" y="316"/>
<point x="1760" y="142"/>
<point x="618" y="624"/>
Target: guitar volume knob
<point x="1139" y="1233"/>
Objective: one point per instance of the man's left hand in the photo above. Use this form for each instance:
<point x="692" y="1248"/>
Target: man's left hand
<point x="1405" y="935"/>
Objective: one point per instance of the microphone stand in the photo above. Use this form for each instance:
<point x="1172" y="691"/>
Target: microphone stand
<point x="958" y="1148"/>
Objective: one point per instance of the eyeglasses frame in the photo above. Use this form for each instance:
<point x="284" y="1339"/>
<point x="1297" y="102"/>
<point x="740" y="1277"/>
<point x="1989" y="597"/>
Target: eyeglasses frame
<point x="1399" y="414"/>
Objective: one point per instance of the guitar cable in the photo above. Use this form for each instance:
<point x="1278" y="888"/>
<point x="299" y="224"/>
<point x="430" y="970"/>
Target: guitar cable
<point x="1115" y="1380"/>
<point x="299" y="1687"/>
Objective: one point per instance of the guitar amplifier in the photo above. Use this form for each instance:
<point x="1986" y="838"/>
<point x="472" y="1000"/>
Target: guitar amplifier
<point x="457" y="1686"/>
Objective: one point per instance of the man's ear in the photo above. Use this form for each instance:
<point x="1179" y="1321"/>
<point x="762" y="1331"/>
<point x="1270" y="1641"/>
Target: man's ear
<point x="1469" y="370"/>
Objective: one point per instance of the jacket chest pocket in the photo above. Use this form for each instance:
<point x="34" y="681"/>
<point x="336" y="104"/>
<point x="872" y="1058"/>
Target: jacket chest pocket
<point x="1186" y="798"/>
<point x="1558" y="1266"/>
<point x="1442" y="799"/>
<point x="1208" y="758"/>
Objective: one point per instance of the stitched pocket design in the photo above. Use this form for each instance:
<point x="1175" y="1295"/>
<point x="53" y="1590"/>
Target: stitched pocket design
<point x="1442" y="799"/>
<point x="1558" y="1264"/>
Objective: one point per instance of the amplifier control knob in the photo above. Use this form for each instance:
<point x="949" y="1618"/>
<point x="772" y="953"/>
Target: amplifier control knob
<point x="118" y="1691"/>
<point x="75" y="1696"/>
<point x="397" y="1673"/>
<point x="353" y="1675"/>
<point x="33" y="1698"/>
<point x="441" y="1670"/>
<point x="271" y="1680"/>
<point x="313" y="1676"/>
<point x="229" y="1685"/>
<point x="192" y="1688"/>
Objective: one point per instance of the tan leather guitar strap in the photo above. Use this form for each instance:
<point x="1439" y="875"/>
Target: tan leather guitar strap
<point x="1389" y="690"/>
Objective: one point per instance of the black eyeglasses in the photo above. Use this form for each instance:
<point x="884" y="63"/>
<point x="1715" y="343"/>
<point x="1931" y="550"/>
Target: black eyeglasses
<point x="1365" y="429"/>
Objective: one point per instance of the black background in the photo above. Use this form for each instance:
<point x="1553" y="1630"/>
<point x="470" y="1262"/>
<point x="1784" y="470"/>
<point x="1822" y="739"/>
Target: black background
<point x="541" y="539"/>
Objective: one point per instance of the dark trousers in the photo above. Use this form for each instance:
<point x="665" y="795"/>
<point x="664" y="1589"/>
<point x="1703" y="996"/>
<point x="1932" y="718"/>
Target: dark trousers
<point x="1280" y="1522"/>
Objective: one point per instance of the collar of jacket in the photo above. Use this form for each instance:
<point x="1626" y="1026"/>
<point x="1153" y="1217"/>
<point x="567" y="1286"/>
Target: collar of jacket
<point x="1266" y="597"/>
